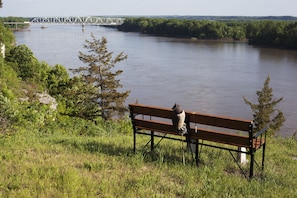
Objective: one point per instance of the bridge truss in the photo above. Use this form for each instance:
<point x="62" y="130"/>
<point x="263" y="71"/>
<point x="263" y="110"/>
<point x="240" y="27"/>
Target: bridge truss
<point x="78" y="20"/>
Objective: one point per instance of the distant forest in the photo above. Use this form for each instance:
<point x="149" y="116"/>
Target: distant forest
<point x="280" y="32"/>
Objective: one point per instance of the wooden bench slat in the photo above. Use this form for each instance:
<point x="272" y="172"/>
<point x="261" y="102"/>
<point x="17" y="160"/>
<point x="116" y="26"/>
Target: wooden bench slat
<point x="257" y="143"/>
<point x="218" y="121"/>
<point x="154" y="126"/>
<point x="151" y="111"/>
<point x="220" y="137"/>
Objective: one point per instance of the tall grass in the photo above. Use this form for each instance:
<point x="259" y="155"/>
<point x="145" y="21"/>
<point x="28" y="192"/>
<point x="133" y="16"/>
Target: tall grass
<point x="35" y="164"/>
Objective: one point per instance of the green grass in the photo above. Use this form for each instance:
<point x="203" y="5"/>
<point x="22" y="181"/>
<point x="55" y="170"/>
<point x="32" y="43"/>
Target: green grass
<point x="60" y="165"/>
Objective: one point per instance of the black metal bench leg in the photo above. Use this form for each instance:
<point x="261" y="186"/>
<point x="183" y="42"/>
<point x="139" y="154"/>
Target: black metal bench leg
<point x="263" y="158"/>
<point x="252" y="164"/>
<point x="197" y="152"/>
<point x="152" y="141"/>
<point x="134" y="142"/>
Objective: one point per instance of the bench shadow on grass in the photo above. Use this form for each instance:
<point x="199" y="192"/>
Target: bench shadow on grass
<point x="94" y="147"/>
<point x="158" y="155"/>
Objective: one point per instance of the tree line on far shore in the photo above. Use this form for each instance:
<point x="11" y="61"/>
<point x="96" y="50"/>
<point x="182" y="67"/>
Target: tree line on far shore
<point x="272" y="33"/>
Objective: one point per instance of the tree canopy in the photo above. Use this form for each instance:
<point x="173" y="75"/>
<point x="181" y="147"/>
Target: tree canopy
<point x="23" y="61"/>
<point x="275" y="33"/>
<point x="265" y="111"/>
<point x="6" y="36"/>
<point x="99" y="92"/>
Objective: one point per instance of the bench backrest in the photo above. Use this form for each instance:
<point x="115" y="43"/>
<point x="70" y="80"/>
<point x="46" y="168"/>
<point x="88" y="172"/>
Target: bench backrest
<point x="201" y="126"/>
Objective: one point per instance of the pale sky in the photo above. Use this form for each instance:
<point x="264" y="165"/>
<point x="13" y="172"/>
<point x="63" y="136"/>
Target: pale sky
<point x="49" y="8"/>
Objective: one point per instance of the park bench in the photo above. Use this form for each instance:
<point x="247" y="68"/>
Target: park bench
<point x="205" y="130"/>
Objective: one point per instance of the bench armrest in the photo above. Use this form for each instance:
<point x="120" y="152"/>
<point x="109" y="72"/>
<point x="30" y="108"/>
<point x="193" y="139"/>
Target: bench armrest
<point x="260" y="132"/>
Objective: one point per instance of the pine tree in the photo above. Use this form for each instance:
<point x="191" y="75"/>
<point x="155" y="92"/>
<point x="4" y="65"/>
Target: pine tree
<point x="100" y="74"/>
<point x="265" y="113"/>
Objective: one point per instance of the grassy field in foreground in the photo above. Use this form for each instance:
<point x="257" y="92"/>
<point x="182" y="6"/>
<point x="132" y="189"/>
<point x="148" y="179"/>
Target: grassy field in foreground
<point x="34" y="165"/>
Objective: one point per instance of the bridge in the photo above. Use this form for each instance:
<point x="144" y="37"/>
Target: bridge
<point x="17" y="25"/>
<point x="89" y="20"/>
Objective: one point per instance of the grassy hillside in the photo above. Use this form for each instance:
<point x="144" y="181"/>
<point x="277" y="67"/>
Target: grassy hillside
<point x="56" y="164"/>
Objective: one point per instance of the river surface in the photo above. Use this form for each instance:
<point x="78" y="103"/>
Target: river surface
<point x="207" y="76"/>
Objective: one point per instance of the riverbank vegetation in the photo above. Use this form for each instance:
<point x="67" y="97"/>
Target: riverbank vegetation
<point x="45" y="151"/>
<point x="6" y="36"/>
<point x="273" y="33"/>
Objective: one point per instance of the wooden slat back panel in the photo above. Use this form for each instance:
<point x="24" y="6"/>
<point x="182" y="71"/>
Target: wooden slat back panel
<point x="154" y="126"/>
<point x="215" y="136"/>
<point x="151" y="111"/>
<point x="218" y="121"/>
<point x="194" y="117"/>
